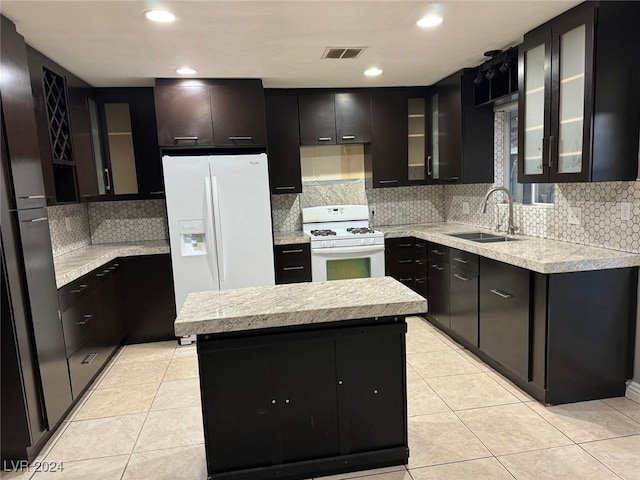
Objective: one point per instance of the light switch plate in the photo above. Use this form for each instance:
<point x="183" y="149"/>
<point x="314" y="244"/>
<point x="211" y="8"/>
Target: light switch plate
<point x="625" y="211"/>
<point x="465" y="207"/>
<point x="575" y="216"/>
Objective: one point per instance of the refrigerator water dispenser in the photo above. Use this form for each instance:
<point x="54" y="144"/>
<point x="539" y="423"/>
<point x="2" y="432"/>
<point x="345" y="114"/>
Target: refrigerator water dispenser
<point x="192" y="238"/>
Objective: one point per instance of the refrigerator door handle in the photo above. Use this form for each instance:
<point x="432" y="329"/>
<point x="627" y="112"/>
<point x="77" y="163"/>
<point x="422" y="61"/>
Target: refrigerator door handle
<point x="213" y="260"/>
<point x="218" y="226"/>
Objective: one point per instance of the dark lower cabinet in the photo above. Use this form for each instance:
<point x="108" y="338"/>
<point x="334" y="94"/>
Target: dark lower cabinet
<point x="399" y="260"/>
<point x="292" y="263"/>
<point x="148" y="297"/>
<point x="504" y="315"/>
<point x="111" y="306"/>
<point x="305" y="401"/>
<point x="463" y="307"/>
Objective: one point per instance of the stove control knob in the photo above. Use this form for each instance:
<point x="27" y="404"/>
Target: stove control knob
<point x="371" y="241"/>
<point x="363" y="242"/>
<point x="333" y="243"/>
<point x="325" y="244"/>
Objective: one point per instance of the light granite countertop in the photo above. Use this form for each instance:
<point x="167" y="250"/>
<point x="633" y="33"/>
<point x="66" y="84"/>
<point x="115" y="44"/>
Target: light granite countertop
<point x="295" y="304"/>
<point x="77" y="263"/>
<point x="286" y="238"/>
<point x="533" y="253"/>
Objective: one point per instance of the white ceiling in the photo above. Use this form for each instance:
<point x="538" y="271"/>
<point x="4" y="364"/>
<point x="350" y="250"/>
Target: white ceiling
<point x="110" y="43"/>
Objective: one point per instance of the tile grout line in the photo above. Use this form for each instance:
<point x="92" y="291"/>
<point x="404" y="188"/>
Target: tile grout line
<point x="599" y="461"/>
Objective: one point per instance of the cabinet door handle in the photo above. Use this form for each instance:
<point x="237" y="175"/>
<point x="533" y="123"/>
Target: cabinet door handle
<point x="107" y="178"/>
<point x="233" y="139"/>
<point x="436" y="267"/>
<point x="100" y="274"/>
<point x="461" y="277"/>
<point x="157" y="192"/>
<point x="419" y="280"/>
<point x="437" y="252"/>
<point x="32" y="197"/>
<point x="348" y="137"/>
<point x="387" y="181"/>
<point x="429" y="170"/>
<point x="34" y="220"/>
<point x="89" y="358"/>
<point x="78" y="290"/>
<point x="299" y="250"/>
<point x="285" y="188"/>
<point x="501" y="293"/>
<point x="405" y="261"/>
<point x="185" y="139"/>
<point x="405" y="279"/>
<point x="452" y="179"/>
<point x="324" y="139"/>
<point x="550" y="152"/>
<point x="460" y="260"/>
<point x="403" y="245"/>
<point x="300" y="267"/>
<point x="86" y="319"/>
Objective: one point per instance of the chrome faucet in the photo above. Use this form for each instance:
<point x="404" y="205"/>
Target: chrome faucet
<point x="483" y="206"/>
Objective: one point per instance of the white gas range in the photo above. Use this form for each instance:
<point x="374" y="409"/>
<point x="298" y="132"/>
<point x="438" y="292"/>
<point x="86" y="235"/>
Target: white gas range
<point x="342" y="244"/>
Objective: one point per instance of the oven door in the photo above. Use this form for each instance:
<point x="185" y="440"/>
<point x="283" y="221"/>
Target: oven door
<point x="340" y="263"/>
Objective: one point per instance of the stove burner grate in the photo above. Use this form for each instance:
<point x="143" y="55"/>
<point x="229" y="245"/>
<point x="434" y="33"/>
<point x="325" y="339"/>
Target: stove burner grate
<point x="322" y="233"/>
<point x="360" y="230"/>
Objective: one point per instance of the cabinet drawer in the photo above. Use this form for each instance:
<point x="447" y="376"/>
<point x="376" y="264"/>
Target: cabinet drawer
<point x="399" y="249"/>
<point x="400" y="270"/>
<point x="75" y="291"/>
<point x="84" y="365"/>
<point x="465" y="260"/>
<point x="81" y="322"/>
<point x="293" y="263"/>
<point x="421" y="249"/>
<point x="437" y="253"/>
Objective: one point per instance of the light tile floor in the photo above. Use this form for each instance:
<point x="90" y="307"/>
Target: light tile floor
<point x="141" y="420"/>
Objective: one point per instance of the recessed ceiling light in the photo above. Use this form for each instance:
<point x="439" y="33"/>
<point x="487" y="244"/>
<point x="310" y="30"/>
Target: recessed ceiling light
<point x="373" y="72"/>
<point x="160" y="16"/>
<point x="185" y="71"/>
<point x="430" y="21"/>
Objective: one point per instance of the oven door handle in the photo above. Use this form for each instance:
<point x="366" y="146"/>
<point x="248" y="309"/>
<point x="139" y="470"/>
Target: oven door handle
<point x="330" y="251"/>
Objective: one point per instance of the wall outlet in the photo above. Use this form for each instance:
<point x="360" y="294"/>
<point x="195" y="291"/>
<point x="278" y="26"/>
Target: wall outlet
<point x="465" y="207"/>
<point x="625" y="211"/>
<point x="67" y="224"/>
<point x="372" y="209"/>
<point x="575" y="216"/>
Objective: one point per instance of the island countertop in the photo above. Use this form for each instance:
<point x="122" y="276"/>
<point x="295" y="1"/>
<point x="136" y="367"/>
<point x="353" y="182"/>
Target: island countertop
<point x="295" y="304"/>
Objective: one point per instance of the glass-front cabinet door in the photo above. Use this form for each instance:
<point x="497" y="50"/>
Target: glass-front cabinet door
<point x="555" y="101"/>
<point x="416" y="127"/>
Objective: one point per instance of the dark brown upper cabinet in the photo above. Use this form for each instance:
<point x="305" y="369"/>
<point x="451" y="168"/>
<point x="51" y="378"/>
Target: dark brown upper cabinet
<point x="388" y="150"/>
<point x="126" y="151"/>
<point x="578" y="96"/>
<point x="334" y="118"/>
<point x="221" y="113"/>
<point x="21" y="148"/>
<point x="283" y="142"/>
<point x="459" y="135"/>
<point x="64" y="129"/>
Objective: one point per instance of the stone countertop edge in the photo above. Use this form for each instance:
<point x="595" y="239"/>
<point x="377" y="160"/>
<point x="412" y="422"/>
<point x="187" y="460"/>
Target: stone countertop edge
<point x="533" y="253"/>
<point x="73" y="265"/>
<point x="289" y="238"/>
<point x="295" y="304"/>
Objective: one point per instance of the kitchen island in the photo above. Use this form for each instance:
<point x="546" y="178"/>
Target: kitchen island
<point x="302" y="380"/>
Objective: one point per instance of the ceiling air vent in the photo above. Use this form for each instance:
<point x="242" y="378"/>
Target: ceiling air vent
<point x="342" y="53"/>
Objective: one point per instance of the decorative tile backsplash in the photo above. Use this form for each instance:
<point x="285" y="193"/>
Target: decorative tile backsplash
<point x="285" y="212"/>
<point x="129" y="221"/>
<point x="406" y="205"/>
<point x="69" y="228"/>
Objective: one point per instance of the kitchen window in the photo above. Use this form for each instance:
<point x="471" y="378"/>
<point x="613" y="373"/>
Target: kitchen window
<point x="541" y="194"/>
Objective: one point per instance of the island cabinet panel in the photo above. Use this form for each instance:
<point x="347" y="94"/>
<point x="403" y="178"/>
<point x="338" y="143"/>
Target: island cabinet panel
<point x="306" y="401"/>
<point x="504" y="315"/>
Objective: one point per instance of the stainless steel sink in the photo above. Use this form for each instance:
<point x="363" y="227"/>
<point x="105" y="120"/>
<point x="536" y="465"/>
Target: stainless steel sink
<point x="482" y="237"/>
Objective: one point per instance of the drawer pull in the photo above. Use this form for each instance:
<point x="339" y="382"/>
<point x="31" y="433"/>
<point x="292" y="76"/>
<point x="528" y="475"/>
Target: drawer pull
<point x="89" y="358"/>
<point x="461" y="277"/>
<point x="286" y="269"/>
<point x="78" y="290"/>
<point x="403" y="245"/>
<point x="419" y="280"/>
<point x="32" y="197"/>
<point x="437" y="252"/>
<point x="421" y="245"/>
<point x="100" y="274"/>
<point x="285" y="188"/>
<point x="405" y="261"/>
<point x="157" y="192"/>
<point x="460" y="260"/>
<point x="34" y="220"/>
<point x="348" y="137"/>
<point x="405" y="279"/>
<point x="233" y="139"/>
<point x="452" y="179"/>
<point x="500" y="293"/>
<point x="86" y="319"/>
<point x="436" y="267"/>
<point x="387" y="181"/>
<point x="299" y="250"/>
<point x="185" y="139"/>
<point x="324" y="139"/>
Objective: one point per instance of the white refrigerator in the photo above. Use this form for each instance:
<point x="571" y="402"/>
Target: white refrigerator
<point x="219" y="213"/>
